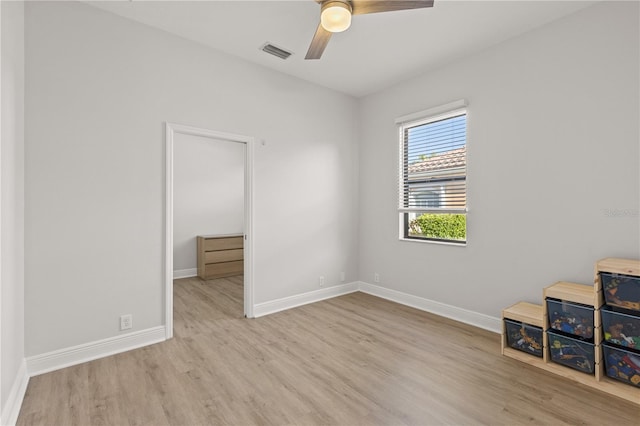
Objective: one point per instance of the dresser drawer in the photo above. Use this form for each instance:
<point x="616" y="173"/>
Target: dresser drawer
<point x="211" y="244"/>
<point x="223" y="255"/>
<point x="220" y="256"/>
<point x="224" y="269"/>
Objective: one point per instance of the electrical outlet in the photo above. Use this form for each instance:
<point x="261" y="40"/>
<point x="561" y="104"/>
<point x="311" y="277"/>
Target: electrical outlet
<point x="376" y="277"/>
<point x="126" y="321"/>
<point x="321" y="281"/>
<point x="342" y="276"/>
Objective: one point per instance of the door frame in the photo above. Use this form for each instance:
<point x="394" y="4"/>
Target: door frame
<point x="171" y="129"/>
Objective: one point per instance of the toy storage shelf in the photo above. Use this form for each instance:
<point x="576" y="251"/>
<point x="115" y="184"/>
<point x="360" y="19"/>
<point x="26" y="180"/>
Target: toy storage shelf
<point x="525" y="312"/>
<point x="590" y="295"/>
<point x="578" y="293"/>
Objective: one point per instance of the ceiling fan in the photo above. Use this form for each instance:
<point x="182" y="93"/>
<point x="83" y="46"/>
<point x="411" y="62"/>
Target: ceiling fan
<point x="335" y="17"/>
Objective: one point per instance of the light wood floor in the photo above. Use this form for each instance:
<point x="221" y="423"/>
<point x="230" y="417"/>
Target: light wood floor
<point x="351" y="360"/>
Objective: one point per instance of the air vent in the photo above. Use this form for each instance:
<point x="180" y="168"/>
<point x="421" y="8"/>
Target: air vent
<point x="275" y="51"/>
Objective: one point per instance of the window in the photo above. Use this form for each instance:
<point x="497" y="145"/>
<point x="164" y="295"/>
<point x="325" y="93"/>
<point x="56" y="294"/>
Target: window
<point x="433" y="174"/>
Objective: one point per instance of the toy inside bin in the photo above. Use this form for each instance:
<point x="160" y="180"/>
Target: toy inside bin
<point x="574" y="353"/>
<point x="621" y="328"/>
<point x="622" y="365"/>
<point x="524" y="337"/>
<point x="620" y="290"/>
<point x="572" y="319"/>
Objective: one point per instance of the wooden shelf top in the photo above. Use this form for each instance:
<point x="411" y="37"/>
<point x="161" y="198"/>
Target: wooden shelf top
<point x="526" y="312"/>
<point x="619" y="266"/>
<point x="221" y="236"/>
<point x="572" y="292"/>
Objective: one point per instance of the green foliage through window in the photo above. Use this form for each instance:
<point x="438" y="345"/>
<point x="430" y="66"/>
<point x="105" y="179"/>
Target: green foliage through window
<point x="439" y="226"/>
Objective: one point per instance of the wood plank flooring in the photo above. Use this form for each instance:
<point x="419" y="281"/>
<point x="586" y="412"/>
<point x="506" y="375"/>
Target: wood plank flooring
<point x="352" y="360"/>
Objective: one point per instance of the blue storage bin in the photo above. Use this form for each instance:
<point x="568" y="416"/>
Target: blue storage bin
<point x="574" y="353"/>
<point x="621" y="364"/>
<point x="524" y="337"/>
<point x="571" y="319"/>
<point x="622" y="291"/>
<point x="620" y="328"/>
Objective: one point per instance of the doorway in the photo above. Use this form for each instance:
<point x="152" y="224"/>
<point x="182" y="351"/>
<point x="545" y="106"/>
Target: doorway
<point x="174" y="135"/>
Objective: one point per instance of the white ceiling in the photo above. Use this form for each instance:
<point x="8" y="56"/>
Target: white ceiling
<point x="378" y="50"/>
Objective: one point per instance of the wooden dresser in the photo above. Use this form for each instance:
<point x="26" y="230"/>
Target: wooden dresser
<point x="220" y="256"/>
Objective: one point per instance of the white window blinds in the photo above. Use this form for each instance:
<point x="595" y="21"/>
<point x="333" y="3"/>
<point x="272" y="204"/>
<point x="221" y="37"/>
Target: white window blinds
<point x="433" y="165"/>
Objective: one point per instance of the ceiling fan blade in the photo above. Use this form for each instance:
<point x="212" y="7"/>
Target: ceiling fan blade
<point x="319" y="42"/>
<point x="362" y="7"/>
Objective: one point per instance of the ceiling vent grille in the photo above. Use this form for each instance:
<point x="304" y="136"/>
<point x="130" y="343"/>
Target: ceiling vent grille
<point x="275" y="51"/>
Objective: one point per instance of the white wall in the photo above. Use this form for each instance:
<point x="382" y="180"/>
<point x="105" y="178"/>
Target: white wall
<point x="208" y="185"/>
<point x="553" y="131"/>
<point x="98" y="90"/>
<point x="12" y="201"/>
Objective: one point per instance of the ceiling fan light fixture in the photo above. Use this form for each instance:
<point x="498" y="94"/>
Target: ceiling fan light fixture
<point x="335" y="16"/>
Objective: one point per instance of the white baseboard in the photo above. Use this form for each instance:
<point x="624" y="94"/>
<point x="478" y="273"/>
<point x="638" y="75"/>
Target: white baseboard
<point x="55" y="360"/>
<point x="448" y="311"/>
<point x="442" y="309"/>
<point x="185" y="273"/>
<point x="11" y="410"/>
<point x="266" y="308"/>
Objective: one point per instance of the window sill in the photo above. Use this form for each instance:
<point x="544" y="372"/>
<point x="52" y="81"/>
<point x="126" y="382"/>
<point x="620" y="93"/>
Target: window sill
<point x="443" y="243"/>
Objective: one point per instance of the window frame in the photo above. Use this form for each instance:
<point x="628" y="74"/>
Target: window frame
<point x="404" y="123"/>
